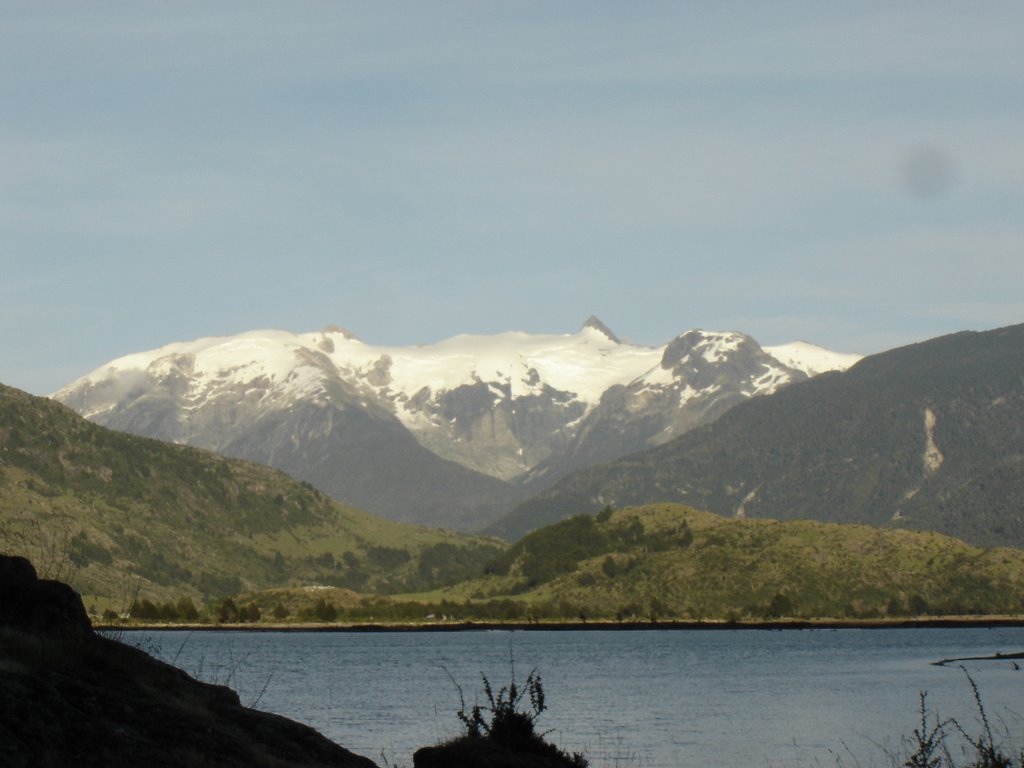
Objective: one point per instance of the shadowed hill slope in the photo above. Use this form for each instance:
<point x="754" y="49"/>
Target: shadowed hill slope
<point x="122" y="513"/>
<point x="929" y="436"/>
<point x="71" y="698"/>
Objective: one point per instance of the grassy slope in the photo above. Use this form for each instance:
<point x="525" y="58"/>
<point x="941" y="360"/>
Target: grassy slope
<point x="119" y="514"/>
<point x="672" y="561"/>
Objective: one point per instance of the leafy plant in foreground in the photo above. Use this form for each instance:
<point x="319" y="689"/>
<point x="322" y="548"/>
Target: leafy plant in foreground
<point x="929" y="742"/>
<point x="988" y="754"/>
<point x="505" y="720"/>
<point x="931" y="751"/>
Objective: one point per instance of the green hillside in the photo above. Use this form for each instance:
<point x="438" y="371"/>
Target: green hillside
<point x="671" y="561"/>
<point x="123" y="516"/>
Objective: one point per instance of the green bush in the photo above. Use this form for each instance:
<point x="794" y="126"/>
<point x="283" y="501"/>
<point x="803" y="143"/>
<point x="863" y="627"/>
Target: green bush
<point x="228" y="612"/>
<point x="324" y="611"/>
<point x="186" y="609"/>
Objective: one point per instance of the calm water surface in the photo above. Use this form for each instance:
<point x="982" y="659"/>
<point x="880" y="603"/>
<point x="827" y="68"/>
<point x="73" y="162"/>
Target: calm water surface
<point x="651" y="699"/>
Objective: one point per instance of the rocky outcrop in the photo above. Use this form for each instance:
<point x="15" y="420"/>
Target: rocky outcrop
<point x="33" y="604"/>
<point x="71" y="697"/>
<point x="501" y="735"/>
<point x="484" y="753"/>
<point x="701" y="376"/>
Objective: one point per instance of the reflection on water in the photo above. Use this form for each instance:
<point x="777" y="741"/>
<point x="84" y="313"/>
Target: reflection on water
<point x="648" y="698"/>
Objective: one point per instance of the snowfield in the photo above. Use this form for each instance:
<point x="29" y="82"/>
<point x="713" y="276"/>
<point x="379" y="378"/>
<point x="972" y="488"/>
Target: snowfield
<point x="280" y="364"/>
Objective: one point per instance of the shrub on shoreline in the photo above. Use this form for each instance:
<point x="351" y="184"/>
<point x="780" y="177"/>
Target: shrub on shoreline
<point x="501" y="733"/>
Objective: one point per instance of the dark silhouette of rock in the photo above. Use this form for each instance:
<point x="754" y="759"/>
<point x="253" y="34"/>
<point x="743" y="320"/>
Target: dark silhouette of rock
<point x="69" y="697"/>
<point x="16" y="572"/>
<point x="39" y="605"/>
<point x="485" y="753"/>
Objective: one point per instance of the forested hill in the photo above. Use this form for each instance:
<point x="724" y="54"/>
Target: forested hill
<point x="118" y="514"/>
<point x="672" y="562"/>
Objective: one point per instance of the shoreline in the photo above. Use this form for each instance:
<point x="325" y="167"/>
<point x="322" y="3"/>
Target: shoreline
<point x="938" y="622"/>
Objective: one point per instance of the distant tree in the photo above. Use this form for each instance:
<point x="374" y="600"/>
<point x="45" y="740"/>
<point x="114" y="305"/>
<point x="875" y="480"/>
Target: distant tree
<point x="780" y="605"/>
<point x="388" y="558"/>
<point x="350" y="560"/>
<point x="250" y="613"/>
<point x="918" y="605"/>
<point x="280" y="612"/>
<point x="633" y="531"/>
<point x="325" y="560"/>
<point x="325" y="611"/>
<point x="228" y="612"/>
<point x="658" y="608"/>
<point x="186" y="609"/>
<point x="608" y="567"/>
<point x="279" y="561"/>
<point x="144" y="609"/>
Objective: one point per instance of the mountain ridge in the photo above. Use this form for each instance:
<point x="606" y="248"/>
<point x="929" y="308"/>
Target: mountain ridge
<point x="927" y="436"/>
<point x="469" y="424"/>
<point x="672" y="561"/>
<point x="122" y="511"/>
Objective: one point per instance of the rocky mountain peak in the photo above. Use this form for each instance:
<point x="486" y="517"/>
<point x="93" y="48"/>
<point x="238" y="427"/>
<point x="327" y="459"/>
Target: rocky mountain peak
<point x="707" y="346"/>
<point x="594" y="322"/>
<point x="331" y="330"/>
<point x="508" y="407"/>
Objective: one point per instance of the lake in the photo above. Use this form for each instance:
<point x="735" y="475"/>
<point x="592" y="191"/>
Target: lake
<point x="649" y="699"/>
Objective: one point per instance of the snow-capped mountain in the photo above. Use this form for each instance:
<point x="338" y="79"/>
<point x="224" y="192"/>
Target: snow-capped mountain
<point x="811" y="359"/>
<point x="468" y="415"/>
<point x="929" y="436"/>
<point x="698" y="377"/>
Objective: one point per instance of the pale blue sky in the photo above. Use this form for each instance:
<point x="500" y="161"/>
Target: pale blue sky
<point x="851" y="174"/>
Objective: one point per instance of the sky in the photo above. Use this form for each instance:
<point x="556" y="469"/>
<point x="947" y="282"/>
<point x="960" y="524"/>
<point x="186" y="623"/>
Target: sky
<point x="849" y="174"/>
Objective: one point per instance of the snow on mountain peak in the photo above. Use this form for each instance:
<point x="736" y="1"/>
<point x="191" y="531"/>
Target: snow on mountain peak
<point x="594" y="323"/>
<point x="338" y="330"/>
<point x="583" y="365"/>
<point x="501" y="404"/>
<point x="810" y="358"/>
<point x="716" y="346"/>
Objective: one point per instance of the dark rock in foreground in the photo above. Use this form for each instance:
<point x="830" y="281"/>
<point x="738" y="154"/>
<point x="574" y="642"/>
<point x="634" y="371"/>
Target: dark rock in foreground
<point x="501" y="734"/>
<point x="38" y="605"/>
<point x="70" y="697"/>
<point x="484" y="753"/>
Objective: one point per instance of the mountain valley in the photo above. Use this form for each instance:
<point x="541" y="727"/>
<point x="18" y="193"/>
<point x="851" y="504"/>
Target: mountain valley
<point x="122" y="516"/>
<point x="130" y="518"/>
